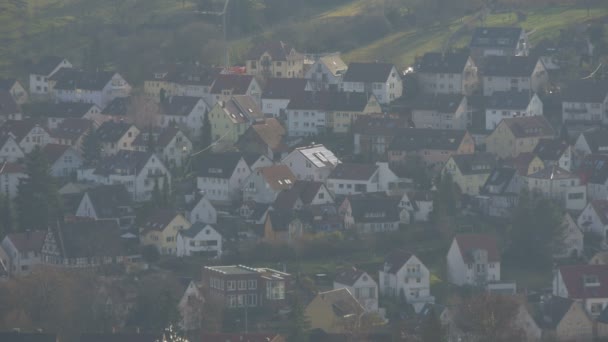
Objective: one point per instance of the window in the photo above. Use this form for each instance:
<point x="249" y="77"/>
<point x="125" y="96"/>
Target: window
<point x="242" y="284"/>
<point x="275" y="290"/>
<point x="596" y="308"/>
<point x="231" y="300"/>
<point x="321" y="195"/>
<point x="231" y="285"/>
<point x="253" y="284"/>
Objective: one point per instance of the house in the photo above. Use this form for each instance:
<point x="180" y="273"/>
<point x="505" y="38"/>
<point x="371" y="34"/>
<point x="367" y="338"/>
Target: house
<point x="185" y="112"/>
<point x="140" y="172"/>
<point x="326" y="72"/>
<point x="573" y="239"/>
<point x="241" y="286"/>
<point x="335" y="311"/>
<point x="252" y="212"/>
<point x="564" y="319"/>
<point x="434" y="146"/>
<point x="510" y="104"/>
<point x="72" y="132"/>
<point x="63" y="160"/>
<point x="200" y="239"/>
<point x="500" y="193"/>
<point x="190" y="306"/>
<point x="87" y="244"/>
<point x="418" y="204"/>
<point x="303" y="194"/>
<point x="23" y="251"/>
<point x="585" y="101"/>
<point x="10" y="151"/>
<point x="161" y="230"/>
<point x="447" y="73"/>
<point x="441" y="111"/>
<point x="283" y="226"/>
<point x="41" y="71"/>
<point x="256" y="160"/>
<point x="499" y="41"/>
<point x="473" y="259"/>
<point x="555" y="152"/>
<point x="372" y="212"/>
<point x="56" y="113"/>
<point x="381" y="79"/>
<point x="264" y="184"/>
<point x="202" y="211"/>
<point x="226" y="86"/>
<point x="403" y="275"/>
<point x="314" y="162"/>
<point x="363" y="287"/>
<point x="98" y="87"/>
<point x="585" y="284"/>
<point x="323" y="218"/>
<point x="508" y="73"/>
<point x="230" y="119"/>
<point x="119" y="109"/>
<point x="27" y="133"/>
<point x="184" y="79"/>
<point x="221" y="176"/>
<point x="170" y="143"/>
<point x="517" y="135"/>
<point x="15" y="89"/>
<point x="9" y="108"/>
<point x="116" y="136"/>
<point x="108" y="202"/>
<point x="591" y="141"/>
<point x="594" y="219"/>
<point x="278" y="92"/>
<point x="559" y="185"/>
<point x="357" y="178"/>
<point x="470" y="171"/>
<point x="266" y="137"/>
<point x="312" y="113"/>
<point x="374" y="134"/>
<point x="275" y="59"/>
<point x="526" y="163"/>
<point x="10" y="177"/>
<point x="593" y="172"/>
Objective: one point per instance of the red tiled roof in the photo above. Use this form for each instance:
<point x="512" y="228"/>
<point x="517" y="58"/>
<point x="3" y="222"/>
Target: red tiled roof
<point x="54" y="152"/>
<point x="7" y="167"/>
<point x="574" y="277"/>
<point x="279" y="177"/>
<point x="470" y="242"/>
<point x="28" y="241"/>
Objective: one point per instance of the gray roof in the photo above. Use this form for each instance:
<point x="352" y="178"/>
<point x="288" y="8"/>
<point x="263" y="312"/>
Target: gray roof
<point x="71" y="79"/>
<point x="217" y="165"/>
<point x="597" y="139"/>
<point x="354" y="171"/>
<point x="348" y="276"/>
<point x="509" y="66"/>
<point x="442" y="103"/>
<point x="179" y="105"/>
<point x="414" y="139"/>
<point x="329" y="101"/>
<point x="508" y="100"/>
<point x="60" y="109"/>
<point x="238" y="84"/>
<point x="529" y="126"/>
<point x="111" y="131"/>
<point x="124" y="162"/>
<point x="444" y="63"/>
<point x="374" y="207"/>
<point x="590" y="91"/>
<point x="118" y="106"/>
<point x="108" y="200"/>
<point x="551" y="149"/>
<point x="477" y="163"/>
<point x="101" y="238"/>
<point x="195" y="229"/>
<point x="553" y="311"/>
<point x="368" y="72"/>
<point x="46" y="65"/>
<point x="277" y="50"/>
<point x="500" y="178"/>
<point x="496" y="37"/>
<point x="8" y="104"/>
<point x="283" y="88"/>
<point x="396" y="259"/>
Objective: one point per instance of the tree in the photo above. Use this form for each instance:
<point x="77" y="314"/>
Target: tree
<point x="206" y="138"/>
<point x="156" y="303"/>
<point x="143" y="112"/>
<point x="157" y="197"/>
<point x="415" y="168"/>
<point x="432" y="330"/>
<point x="91" y="148"/>
<point x="166" y="191"/>
<point x="6" y="215"/>
<point x="38" y="202"/>
<point x="299" y="325"/>
<point x="93" y="56"/>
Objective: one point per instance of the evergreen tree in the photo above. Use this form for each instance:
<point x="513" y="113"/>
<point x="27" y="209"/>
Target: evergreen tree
<point x="162" y="95"/>
<point x="157" y="197"/>
<point x="166" y="192"/>
<point x="206" y="138"/>
<point x="299" y="325"/>
<point x="91" y="148"/>
<point x="432" y="331"/>
<point x="38" y="202"/>
<point x="6" y="213"/>
<point x="151" y="141"/>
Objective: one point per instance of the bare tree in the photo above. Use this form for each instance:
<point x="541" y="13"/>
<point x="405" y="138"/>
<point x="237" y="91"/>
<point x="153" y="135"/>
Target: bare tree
<point x="143" y="112"/>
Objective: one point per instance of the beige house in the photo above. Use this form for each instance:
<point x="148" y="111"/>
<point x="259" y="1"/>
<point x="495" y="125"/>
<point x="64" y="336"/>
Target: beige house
<point x="525" y="163"/>
<point x="518" y="135"/>
<point x="335" y="311"/>
<point x="442" y="111"/>
<point x="564" y="319"/>
<point x="470" y="171"/>
<point x="447" y="73"/>
<point x="161" y="229"/>
<point x="275" y="59"/>
<point x="514" y="73"/>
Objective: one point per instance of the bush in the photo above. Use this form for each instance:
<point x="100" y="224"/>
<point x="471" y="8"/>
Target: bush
<point x="150" y="254"/>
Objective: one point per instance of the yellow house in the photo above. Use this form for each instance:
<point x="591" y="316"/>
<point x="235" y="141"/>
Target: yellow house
<point x="230" y="119"/>
<point x="518" y="135"/>
<point x="348" y="108"/>
<point x="335" y="311"/>
<point x="281" y="226"/>
<point x="525" y="163"/>
<point x="160" y="230"/>
<point x="275" y="59"/>
<point x="470" y="171"/>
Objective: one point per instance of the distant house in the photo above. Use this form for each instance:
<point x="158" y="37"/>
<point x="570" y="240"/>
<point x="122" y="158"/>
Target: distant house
<point x="170" y="143"/>
<point x="202" y="211"/>
<point x="335" y="311"/>
<point x="371" y="212"/>
<point x="63" y="160"/>
<point x="585" y="102"/>
<point x="27" y="133"/>
<point x="526" y="163"/>
<point x="313" y="162"/>
<point x="275" y="59"/>
<point x="15" y="89"/>
<point x="10" y="151"/>
<point x="72" y="132"/>
<point x="303" y="194"/>
<point x="555" y="152"/>
<point x="326" y="72"/>
<point x="521" y="74"/>
<point x="41" y="71"/>
<point x="499" y="41"/>
<point x="442" y="111"/>
<point x="10" y="177"/>
<point x="358" y="178"/>
<point x="594" y="219"/>
<point x="373" y="135"/>
<point x="473" y="259"/>
<point x="510" y="104"/>
<point x="230" y="119"/>
<point x="573" y="239"/>
<point x="265" y="137"/>
<point x="585" y="284"/>
<point x="199" y="239"/>
<point x="108" y="202"/>
<point x="517" y="135"/>
<point x="499" y="195"/>
<point x="278" y="92"/>
<point x="190" y="305"/>
<point x="221" y="176"/>
<point x="99" y="87"/>
<point x="23" y="251"/>
<point x="283" y="226"/>
<point x="115" y="136"/>
<point x="87" y="244"/>
<point x="363" y="287"/>
<point x="593" y="172"/>
<point x="559" y="185"/>
<point x="564" y="319"/>
<point x="185" y="112"/>
<point x="188" y="79"/>
<point x="116" y="110"/>
<point x="403" y="275"/>
<point x="381" y="79"/>
<point x="9" y="108"/>
<point x="470" y="171"/>
<point x="419" y="204"/>
<point x="264" y="184"/>
<point x="226" y="86"/>
<point x="56" y="113"/>
<point x="592" y="141"/>
<point x="161" y="230"/>
<point x="447" y="73"/>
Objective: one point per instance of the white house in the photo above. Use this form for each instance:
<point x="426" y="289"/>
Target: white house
<point x="23" y="251"/>
<point x="185" y="112"/>
<point x="227" y="85"/>
<point x="303" y="194"/>
<point x="199" y="239"/>
<point x="511" y="73"/>
<point x="64" y="160"/>
<point x="371" y="212"/>
<point x="326" y="72"/>
<point x="203" y="211"/>
<point x="499" y="41"/>
<point x="510" y="104"/>
<point x="585" y="102"/>
<point x="10" y="175"/>
<point x="108" y="202"/>
<point x="363" y="287"/>
<point x="557" y="184"/>
<point x="170" y="143"/>
<point x="116" y="136"/>
<point x="357" y="178"/>
<point x="100" y="87"/>
<point x="421" y="202"/>
<point x="555" y="152"/>
<point x="586" y="284"/>
<point x="403" y="275"/>
<point x="381" y="79"/>
<point x="264" y="184"/>
<point x="27" y="133"/>
<point x="41" y="72"/>
<point x="314" y="162"/>
<point x="441" y="111"/>
<point x="594" y="218"/>
<point x="447" y="73"/>
<point x="10" y="151"/>
<point x="278" y="92"/>
<point x="220" y="176"/>
<point x="573" y="239"/>
<point x="473" y="259"/>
